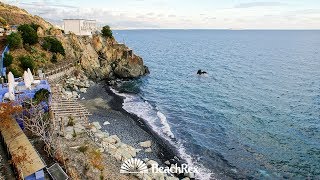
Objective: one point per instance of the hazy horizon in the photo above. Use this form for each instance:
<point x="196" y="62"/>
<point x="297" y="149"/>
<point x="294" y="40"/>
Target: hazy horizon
<point x="179" y="14"/>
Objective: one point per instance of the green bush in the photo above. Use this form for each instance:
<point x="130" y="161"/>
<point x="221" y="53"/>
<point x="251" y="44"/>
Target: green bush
<point x="71" y="121"/>
<point x="53" y="45"/>
<point x="7" y="60"/>
<point x="41" y="95"/>
<point x="16" y="72"/>
<point x="29" y="35"/>
<point x="83" y="148"/>
<point x="35" y="26"/>
<point x="27" y="62"/>
<point x="106" y="31"/>
<point x="54" y="58"/>
<point x="14" y="40"/>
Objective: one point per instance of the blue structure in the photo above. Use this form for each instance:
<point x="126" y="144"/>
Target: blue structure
<point x="2" y="68"/>
<point x="25" y="94"/>
<point x="39" y="175"/>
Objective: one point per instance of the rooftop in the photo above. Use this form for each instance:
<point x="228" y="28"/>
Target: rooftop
<point x="18" y="144"/>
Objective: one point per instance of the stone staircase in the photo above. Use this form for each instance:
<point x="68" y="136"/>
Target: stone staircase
<point x="63" y="107"/>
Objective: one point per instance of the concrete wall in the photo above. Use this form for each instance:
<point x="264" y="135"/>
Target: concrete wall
<point x="80" y="27"/>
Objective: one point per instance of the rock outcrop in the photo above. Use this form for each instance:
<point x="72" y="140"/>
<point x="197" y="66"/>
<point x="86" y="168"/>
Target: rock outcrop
<point x="100" y="57"/>
<point x="103" y="58"/>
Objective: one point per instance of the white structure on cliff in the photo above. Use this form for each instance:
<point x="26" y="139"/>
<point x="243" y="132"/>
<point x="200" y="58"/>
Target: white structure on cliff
<point x="80" y="27"/>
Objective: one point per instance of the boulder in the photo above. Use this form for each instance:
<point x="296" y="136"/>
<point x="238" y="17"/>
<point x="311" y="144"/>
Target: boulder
<point x="68" y="136"/>
<point x="97" y="125"/>
<point x="93" y="129"/>
<point x="145" y="144"/>
<point x="83" y="90"/>
<point x="152" y="163"/>
<point x="148" y="150"/>
<point x="112" y="139"/>
<point x="68" y="94"/>
<point x="190" y="175"/>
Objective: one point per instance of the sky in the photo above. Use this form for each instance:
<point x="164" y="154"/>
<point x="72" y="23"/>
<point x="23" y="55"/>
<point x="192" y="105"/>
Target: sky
<point x="181" y="14"/>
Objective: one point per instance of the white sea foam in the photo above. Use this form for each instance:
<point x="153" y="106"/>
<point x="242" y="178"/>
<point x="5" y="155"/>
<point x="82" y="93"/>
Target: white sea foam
<point x="166" y="127"/>
<point x="158" y="121"/>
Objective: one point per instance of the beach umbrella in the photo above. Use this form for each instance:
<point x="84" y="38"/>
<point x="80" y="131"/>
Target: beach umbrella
<point x="26" y="79"/>
<point x="10" y="78"/>
<point x="11" y="92"/>
<point x="30" y="76"/>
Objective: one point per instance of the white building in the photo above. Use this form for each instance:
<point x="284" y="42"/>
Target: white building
<point x="81" y="27"/>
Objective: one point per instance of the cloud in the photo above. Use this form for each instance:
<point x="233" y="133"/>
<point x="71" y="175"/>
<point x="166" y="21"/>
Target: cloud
<point x="38" y="4"/>
<point x="259" y="4"/>
<point x="307" y="11"/>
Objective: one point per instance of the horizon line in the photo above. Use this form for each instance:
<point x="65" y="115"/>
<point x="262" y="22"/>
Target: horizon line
<point x="117" y="29"/>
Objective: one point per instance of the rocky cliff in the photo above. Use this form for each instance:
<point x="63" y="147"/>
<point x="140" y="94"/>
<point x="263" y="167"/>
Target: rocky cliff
<point x="103" y="58"/>
<point x="100" y="57"/>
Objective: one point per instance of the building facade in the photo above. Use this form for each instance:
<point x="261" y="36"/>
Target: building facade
<point x="80" y="27"/>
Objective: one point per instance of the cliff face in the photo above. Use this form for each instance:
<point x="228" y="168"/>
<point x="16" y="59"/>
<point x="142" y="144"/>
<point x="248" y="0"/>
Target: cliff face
<point x="101" y="58"/>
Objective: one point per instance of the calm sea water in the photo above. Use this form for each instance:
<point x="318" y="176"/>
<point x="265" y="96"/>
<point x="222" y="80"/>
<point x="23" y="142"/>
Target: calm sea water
<point x="256" y="113"/>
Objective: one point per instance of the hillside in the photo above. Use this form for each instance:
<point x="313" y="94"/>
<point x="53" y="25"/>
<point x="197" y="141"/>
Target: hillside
<point x="99" y="57"/>
<point x="14" y="16"/>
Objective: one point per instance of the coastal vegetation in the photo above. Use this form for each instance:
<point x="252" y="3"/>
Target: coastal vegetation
<point x="28" y="34"/>
<point x="53" y="45"/>
<point x="27" y="62"/>
<point x="106" y="31"/>
<point x="7" y="60"/>
<point x="30" y="50"/>
<point x="14" y="41"/>
<point x="38" y="45"/>
<point x="41" y="95"/>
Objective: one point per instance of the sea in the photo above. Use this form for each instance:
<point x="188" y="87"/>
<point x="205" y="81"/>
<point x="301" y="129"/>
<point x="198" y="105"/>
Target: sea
<point x="254" y="115"/>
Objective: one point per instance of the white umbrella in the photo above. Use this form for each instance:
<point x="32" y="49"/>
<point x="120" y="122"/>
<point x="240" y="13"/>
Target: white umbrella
<point x="11" y="92"/>
<point x="27" y="81"/>
<point x="30" y="76"/>
<point x="10" y="78"/>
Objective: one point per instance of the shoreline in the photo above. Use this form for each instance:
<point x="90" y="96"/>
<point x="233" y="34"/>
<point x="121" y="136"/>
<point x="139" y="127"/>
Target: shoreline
<point x="105" y="105"/>
<point x="168" y="150"/>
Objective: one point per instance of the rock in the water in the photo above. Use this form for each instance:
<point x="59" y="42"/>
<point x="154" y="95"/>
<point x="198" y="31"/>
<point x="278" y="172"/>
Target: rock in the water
<point x="148" y="150"/>
<point x="145" y="144"/>
<point x="106" y="123"/>
<point x="167" y="163"/>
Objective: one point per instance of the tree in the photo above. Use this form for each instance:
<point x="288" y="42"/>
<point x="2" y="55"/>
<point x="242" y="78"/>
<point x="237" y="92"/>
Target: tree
<point x="106" y="31"/>
<point x="7" y="112"/>
<point x="39" y="124"/>
<point x="53" y="45"/>
<point x="7" y="60"/>
<point x="29" y="35"/>
<point x="14" y="40"/>
<point x="42" y="95"/>
<point x="54" y="58"/>
<point x="27" y="62"/>
<point x="35" y="26"/>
